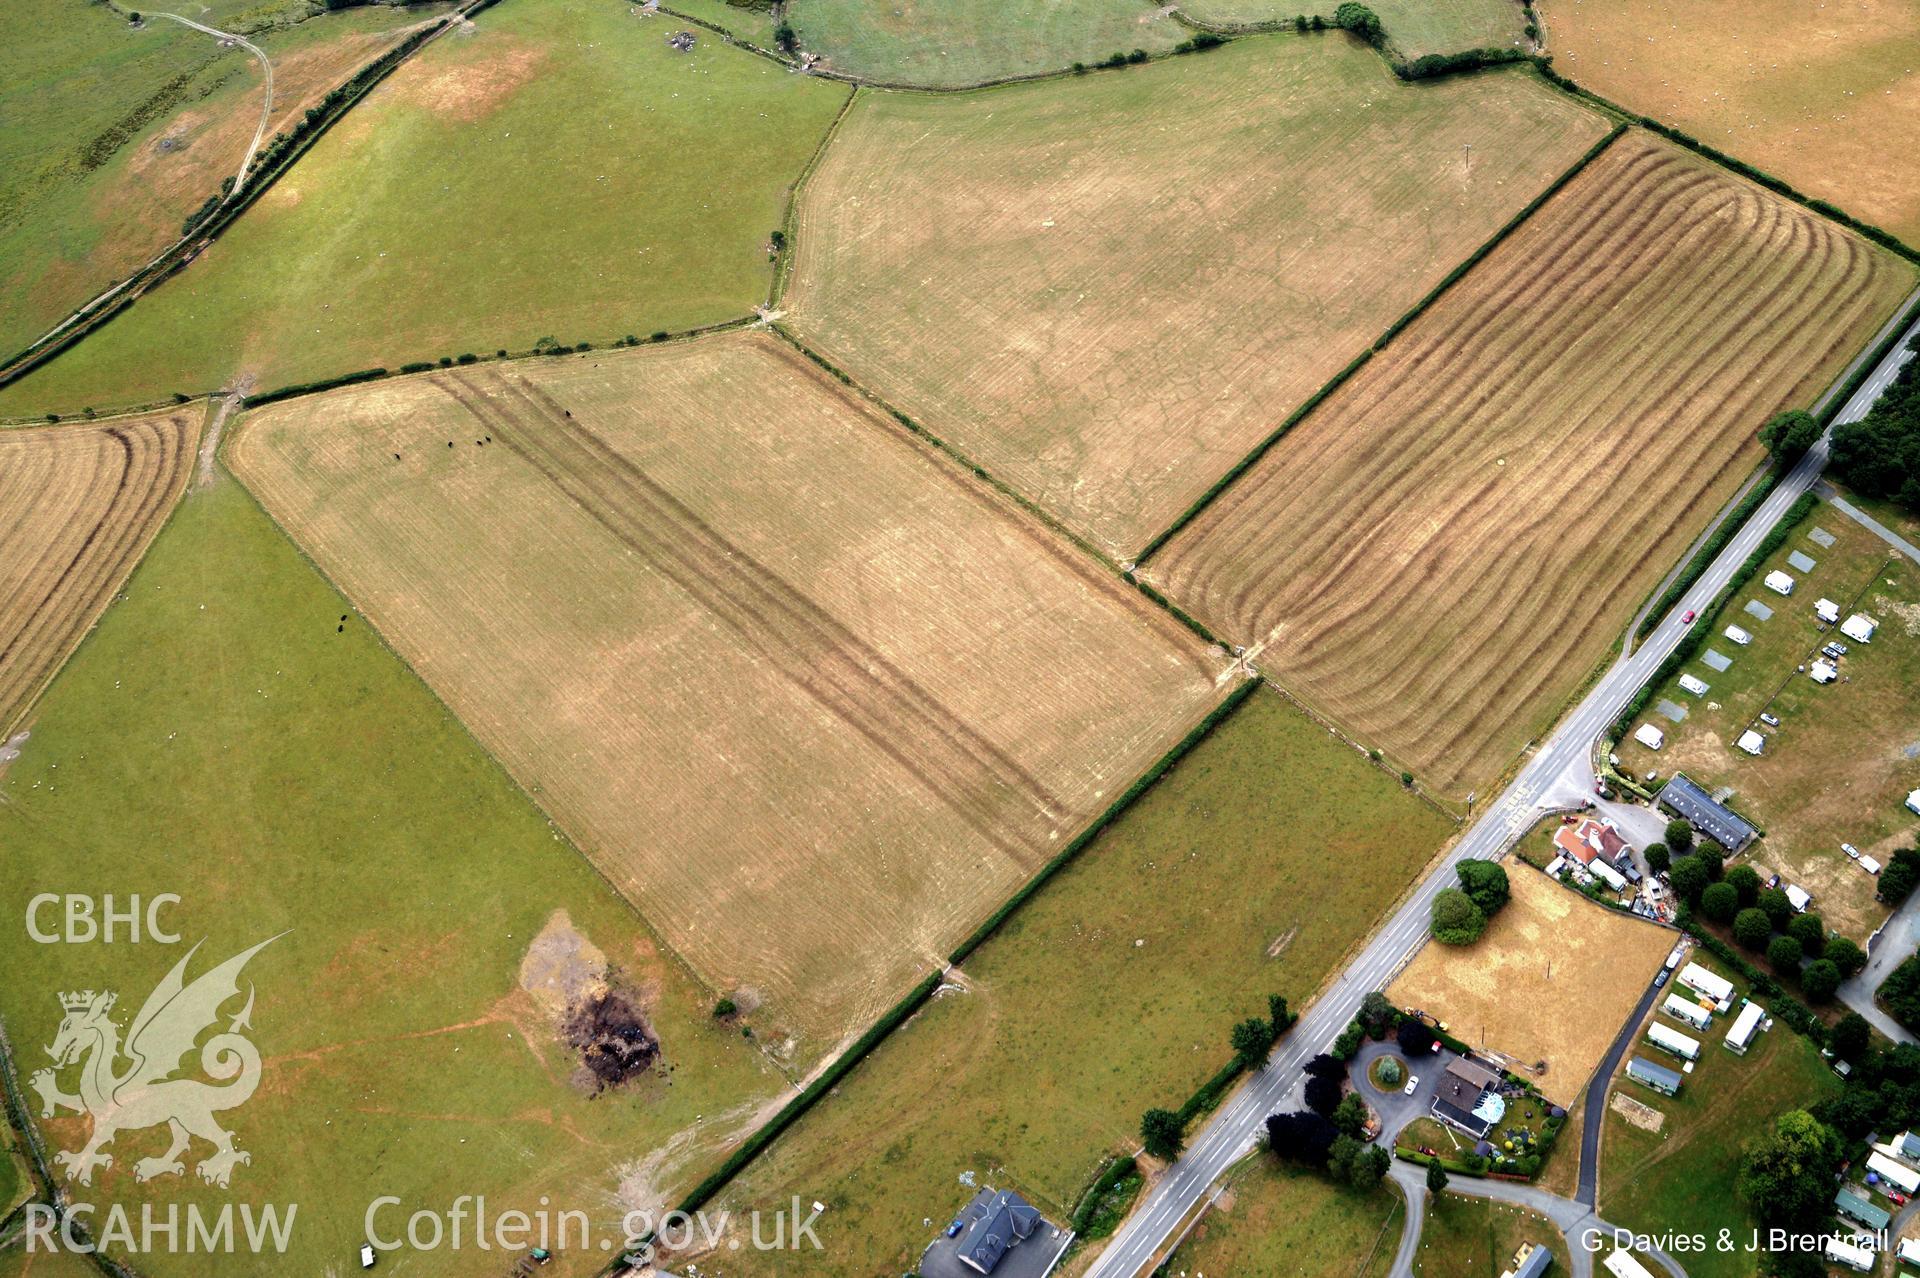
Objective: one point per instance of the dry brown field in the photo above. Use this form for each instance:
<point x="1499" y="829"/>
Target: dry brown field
<point x="1825" y="95"/>
<point x="1553" y="979"/>
<point x="1107" y="290"/>
<point x="1438" y="554"/>
<point x="811" y="696"/>
<point x="78" y="505"/>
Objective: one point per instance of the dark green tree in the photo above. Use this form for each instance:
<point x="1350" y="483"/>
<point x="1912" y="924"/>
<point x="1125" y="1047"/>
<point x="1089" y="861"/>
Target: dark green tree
<point x="1811" y="931"/>
<point x="1251" y="1038"/>
<point x="1436" y="1178"/>
<point x="1784" y="955"/>
<point x="1746" y="881"/>
<point x="1719" y="902"/>
<point x="1778" y="908"/>
<point x="1819" y="981"/>
<point x="1689" y="878"/>
<point x="1456" y="919"/>
<point x="1845" y="955"/>
<point x="1361" y="21"/>
<point x="1787" y="436"/>
<point x="1350" y="1115"/>
<point x="1752" y="928"/>
<point x="1485" y="885"/>
<point x="1162" y="1133"/>
<point x="1850" y="1038"/>
<point x="1658" y="858"/>
<point x="1679" y="837"/>
<point x="1787" y="1175"/>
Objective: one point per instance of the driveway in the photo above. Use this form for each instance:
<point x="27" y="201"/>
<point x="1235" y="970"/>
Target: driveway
<point x="1589" y="1189"/>
<point x="1397" y="1109"/>
<point x="1887" y="948"/>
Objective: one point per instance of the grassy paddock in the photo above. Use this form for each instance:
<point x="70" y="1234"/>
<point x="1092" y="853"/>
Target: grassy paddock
<point x="1476" y="1238"/>
<point x="1289" y="1222"/>
<point x="556" y="171"/>
<point x="221" y="736"/>
<point x="1253" y="866"/>
<point x="1414" y="27"/>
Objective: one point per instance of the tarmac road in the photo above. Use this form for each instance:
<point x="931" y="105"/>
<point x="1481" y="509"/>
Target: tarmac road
<point x="1559" y="773"/>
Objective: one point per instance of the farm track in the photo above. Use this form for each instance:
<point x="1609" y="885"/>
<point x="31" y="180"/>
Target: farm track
<point x="1638" y="328"/>
<point x="78" y="505"/>
<point x="846" y="675"/>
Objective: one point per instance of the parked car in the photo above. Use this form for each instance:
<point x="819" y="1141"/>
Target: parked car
<point x="1773" y="881"/>
<point x="959" y="1223"/>
<point x="1413" y="1081"/>
<point x="1770" y="720"/>
<point x="1853" y="853"/>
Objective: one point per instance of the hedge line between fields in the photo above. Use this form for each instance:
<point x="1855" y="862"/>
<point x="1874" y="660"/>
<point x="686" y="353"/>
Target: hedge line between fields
<point x="791" y="1112"/>
<point x="1684" y="651"/>
<point x="308" y="388"/>
<point x="1885" y="239"/>
<point x="1340" y="378"/>
<point x="1086" y="836"/>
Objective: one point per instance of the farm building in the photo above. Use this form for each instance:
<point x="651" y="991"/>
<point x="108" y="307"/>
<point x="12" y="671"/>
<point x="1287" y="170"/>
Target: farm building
<point x="1658" y="1077"/>
<point x="1673" y="1042"/>
<point x="1827" y="610"/>
<point x="1708" y="984"/>
<point x="1466" y="1098"/>
<point x="1649" y="736"/>
<point x="1715" y="820"/>
<point x="1899" y="1175"/>
<point x="1745" y="1026"/>
<point x="1681" y="1009"/>
<point x="1621" y="1264"/>
<point x="1859" y="627"/>
<point x="1852" y="1206"/>
<point x="1694" y="684"/>
<point x="1853" y="1256"/>
<point x="1530" y="1261"/>
<point x="1751" y="742"/>
<point x="1739" y="636"/>
<point x="1779" y="582"/>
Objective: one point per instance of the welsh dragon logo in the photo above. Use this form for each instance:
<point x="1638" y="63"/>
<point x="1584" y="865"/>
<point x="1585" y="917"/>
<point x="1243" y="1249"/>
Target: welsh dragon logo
<point x="143" y="1092"/>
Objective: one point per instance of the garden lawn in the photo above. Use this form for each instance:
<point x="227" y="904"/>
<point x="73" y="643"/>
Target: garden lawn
<point x="947" y="43"/>
<point x="1283" y="1221"/>
<point x="231" y="732"/>
<point x="556" y="171"/>
<point x="1681" y="1179"/>
<point x="1252" y="867"/>
<point x="1477" y="1238"/>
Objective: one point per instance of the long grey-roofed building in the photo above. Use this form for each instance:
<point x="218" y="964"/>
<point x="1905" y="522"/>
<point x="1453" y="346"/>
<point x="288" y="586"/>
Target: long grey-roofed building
<point x="1658" y="1077"/>
<point x="1715" y="820"/>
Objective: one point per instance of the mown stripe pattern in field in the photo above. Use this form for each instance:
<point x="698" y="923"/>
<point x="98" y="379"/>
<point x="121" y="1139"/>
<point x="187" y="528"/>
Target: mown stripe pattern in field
<point x="78" y="505"/>
<point x="1438" y="553"/>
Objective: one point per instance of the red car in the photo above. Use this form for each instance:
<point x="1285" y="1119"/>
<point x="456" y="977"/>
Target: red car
<point x="1689" y="617"/>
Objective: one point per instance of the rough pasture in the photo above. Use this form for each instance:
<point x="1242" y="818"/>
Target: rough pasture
<point x="812" y="697"/>
<point x="1414" y="27"/>
<point x="78" y="505"/>
<point x="555" y="172"/>
<point x="1824" y="95"/>
<point x="1106" y="290"/>
<point x="1440" y="552"/>
<point x="943" y="43"/>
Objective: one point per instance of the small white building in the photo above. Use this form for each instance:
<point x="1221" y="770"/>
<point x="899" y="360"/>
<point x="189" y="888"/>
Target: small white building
<point x="1798" y="898"/>
<point x="1745" y="1026"/>
<point x="1673" y="1042"/>
<point x="1859" y="627"/>
<point x="1868" y="864"/>
<point x="1827" y="610"/>
<point x="1909" y="1250"/>
<point x="1913" y="802"/>
<point x="1899" y="1175"/>
<point x="1692" y="1013"/>
<point x="1852" y="1255"/>
<point x="1823" y="672"/>
<point x="1778" y="582"/>
<point x="1751" y="742"/>
<point x="1606" y="874"/>
<point x="1621" y="1264"/>
<point x="1710" y="985"/>
<point x="1649" y="736"/>
<point x="1739" y="636"/>
<point x="1694" y="684"/>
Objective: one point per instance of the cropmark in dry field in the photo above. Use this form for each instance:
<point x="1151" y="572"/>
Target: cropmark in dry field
<point x="1439" y="553"/>
<point x="1108" y="290"/>
<point x="78" y="505"/>
<point x="812" y="696"/>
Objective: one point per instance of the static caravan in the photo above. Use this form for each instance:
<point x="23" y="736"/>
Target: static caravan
<point x="1673" y="1042"/>
<point x="1853" y="1256"/>
<point x="1715" y="988"/>
<point x="1859" y="627"/>
<point x="1779" y="582"/>
<point x="1621" y="1264"/>
<point x="1745" y="1027"/>
<point x="1827" y="610"/>
<point x="1694" y="684"/>
<point x="1681" y="1009"/>
<point x="1606" y="874"/>
<point x="1658" y="1077"/>
<point x="1899" y="1175"/>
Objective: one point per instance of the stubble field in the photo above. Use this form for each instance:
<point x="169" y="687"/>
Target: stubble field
<point x="1825" y="95"/>
<point x="554" y="171"/>
<point x="78" y="505"/>
<point x="811" y="696"/>
<point x="1552" y="980"/>
<point x="1440" y="552"/>
<point x="1107" y="290"/>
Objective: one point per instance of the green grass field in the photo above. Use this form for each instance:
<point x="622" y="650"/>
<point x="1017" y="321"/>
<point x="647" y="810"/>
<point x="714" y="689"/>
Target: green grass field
<point x="1681" y="1178"/>
<point x="558" y="171"/>
<point x="1475" y="1238"/>
<point x="1414" y="27"/>
<point x="944" y="43"/>
<point x="1845" y="755"/>
<point x="1252" y="867"/>
<point x="1281" y="1221"/>
<point x="221" y="736"/>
